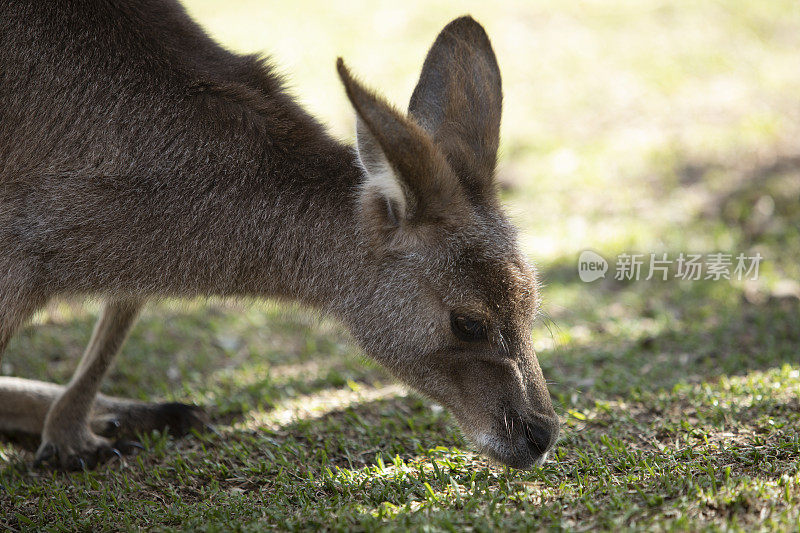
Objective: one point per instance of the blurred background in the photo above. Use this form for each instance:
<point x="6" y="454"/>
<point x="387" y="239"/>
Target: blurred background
<point x="629" y="126"/>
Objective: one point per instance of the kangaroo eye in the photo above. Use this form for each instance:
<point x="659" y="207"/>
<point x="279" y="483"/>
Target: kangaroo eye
<point x="467" y="329"/>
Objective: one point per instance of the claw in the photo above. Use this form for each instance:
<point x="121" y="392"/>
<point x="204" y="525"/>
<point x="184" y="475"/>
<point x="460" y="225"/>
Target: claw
<point x="108" y="453"/>
<point x="106" y="425"/>
<point x="118" y="454"/>
<point x="112" y="426"/>
<point x="127" y="446"/>
<point x="74" y="463"/>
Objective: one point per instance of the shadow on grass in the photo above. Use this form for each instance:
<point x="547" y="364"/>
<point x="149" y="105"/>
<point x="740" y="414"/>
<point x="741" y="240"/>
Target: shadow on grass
<point x="268" y="354"/>
<point x="352" y="437"/>
<point x="651" y="335"/>
<point x="613" y="337"/>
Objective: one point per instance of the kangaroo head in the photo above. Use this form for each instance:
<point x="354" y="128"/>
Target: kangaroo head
<point x="454" y="301"/>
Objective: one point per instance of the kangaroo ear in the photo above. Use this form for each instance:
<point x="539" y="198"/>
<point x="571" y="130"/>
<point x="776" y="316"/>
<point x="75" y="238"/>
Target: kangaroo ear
<point x="458" y="101"/>
<point x="381" y="178"/>
<point x="407" y="179"/>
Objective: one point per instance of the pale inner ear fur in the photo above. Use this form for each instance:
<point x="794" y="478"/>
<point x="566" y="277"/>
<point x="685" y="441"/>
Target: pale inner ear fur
<point x="379" y="176"/>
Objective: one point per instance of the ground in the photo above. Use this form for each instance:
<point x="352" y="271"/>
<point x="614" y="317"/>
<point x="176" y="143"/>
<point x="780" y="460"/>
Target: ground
<point x="630" y="127"/>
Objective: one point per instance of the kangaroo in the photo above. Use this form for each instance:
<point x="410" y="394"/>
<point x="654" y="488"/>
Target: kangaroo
<point x="140" y="159"/>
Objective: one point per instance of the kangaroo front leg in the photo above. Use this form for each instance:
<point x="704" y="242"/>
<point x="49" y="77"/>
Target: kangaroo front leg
<point x="67" y="439"/>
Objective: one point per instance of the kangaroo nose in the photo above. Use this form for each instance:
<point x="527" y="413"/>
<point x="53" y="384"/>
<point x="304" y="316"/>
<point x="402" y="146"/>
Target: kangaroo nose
<point x="540" y="435"/>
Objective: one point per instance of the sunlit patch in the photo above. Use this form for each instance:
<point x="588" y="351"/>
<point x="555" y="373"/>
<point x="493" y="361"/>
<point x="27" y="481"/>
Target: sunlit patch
<point x="314" y="406"/>
<point x="421" y="469"/>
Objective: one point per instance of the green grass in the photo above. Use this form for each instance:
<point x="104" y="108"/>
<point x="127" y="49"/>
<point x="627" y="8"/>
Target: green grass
<point x="641" y="126"/>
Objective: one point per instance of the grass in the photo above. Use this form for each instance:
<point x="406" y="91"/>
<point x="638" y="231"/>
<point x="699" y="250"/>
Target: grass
<point x="647" y="126"/>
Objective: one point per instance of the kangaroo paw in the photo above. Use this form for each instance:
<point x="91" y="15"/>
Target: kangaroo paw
<point x="81" y="451"/>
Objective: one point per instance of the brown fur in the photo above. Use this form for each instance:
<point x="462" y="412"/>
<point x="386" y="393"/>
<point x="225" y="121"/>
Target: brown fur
<point x="140" y="159"/>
